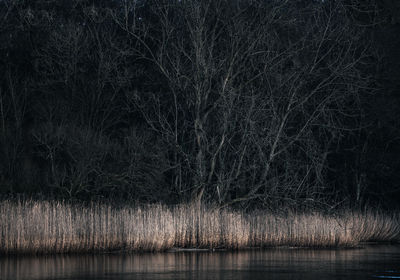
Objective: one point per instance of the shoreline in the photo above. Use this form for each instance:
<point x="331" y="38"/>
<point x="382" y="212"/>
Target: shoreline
<point x="361" y="246"/>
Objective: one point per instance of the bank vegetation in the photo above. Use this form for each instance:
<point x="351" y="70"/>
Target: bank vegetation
<point x="36" y="227"/>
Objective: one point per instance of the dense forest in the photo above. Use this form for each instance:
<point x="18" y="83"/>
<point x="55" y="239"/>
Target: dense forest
<point x="246" y="103"/>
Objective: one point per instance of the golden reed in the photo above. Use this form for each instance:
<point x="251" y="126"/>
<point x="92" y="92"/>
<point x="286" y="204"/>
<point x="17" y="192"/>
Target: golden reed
<point x="58" y="227"/>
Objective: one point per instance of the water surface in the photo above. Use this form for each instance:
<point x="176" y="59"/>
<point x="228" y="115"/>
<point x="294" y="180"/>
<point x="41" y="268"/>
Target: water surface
<point x="371" y="262"/>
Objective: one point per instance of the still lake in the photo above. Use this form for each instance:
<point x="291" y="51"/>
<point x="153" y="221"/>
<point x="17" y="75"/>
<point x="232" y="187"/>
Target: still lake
<point x="370" y="262"/>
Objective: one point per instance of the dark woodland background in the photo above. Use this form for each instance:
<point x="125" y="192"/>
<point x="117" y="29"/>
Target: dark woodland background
<point x="248" y="103"/>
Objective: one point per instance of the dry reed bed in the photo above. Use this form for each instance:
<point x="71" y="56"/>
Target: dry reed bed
<point x="57" y="227"/>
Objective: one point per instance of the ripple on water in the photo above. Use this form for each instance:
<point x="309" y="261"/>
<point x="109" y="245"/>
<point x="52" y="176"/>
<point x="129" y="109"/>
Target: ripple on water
<point x="393" y="274"/>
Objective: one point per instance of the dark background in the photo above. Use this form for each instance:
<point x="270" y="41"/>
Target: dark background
<point x="243" y="103"/>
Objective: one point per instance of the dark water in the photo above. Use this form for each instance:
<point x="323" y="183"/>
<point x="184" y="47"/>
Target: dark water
<point x="372" y="262"/>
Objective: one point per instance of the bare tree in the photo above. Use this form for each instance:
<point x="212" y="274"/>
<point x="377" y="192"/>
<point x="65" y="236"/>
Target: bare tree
<point x="257" y="95"/>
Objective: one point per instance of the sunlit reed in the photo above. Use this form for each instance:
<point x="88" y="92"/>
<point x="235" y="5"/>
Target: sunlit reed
<point x="59" y="227"/>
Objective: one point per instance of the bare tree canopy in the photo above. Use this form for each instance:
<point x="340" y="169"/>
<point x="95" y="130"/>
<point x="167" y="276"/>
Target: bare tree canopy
<point x="245" y="103"/>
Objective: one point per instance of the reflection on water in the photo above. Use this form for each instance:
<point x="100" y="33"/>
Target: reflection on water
<point x="381" y="261"/>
